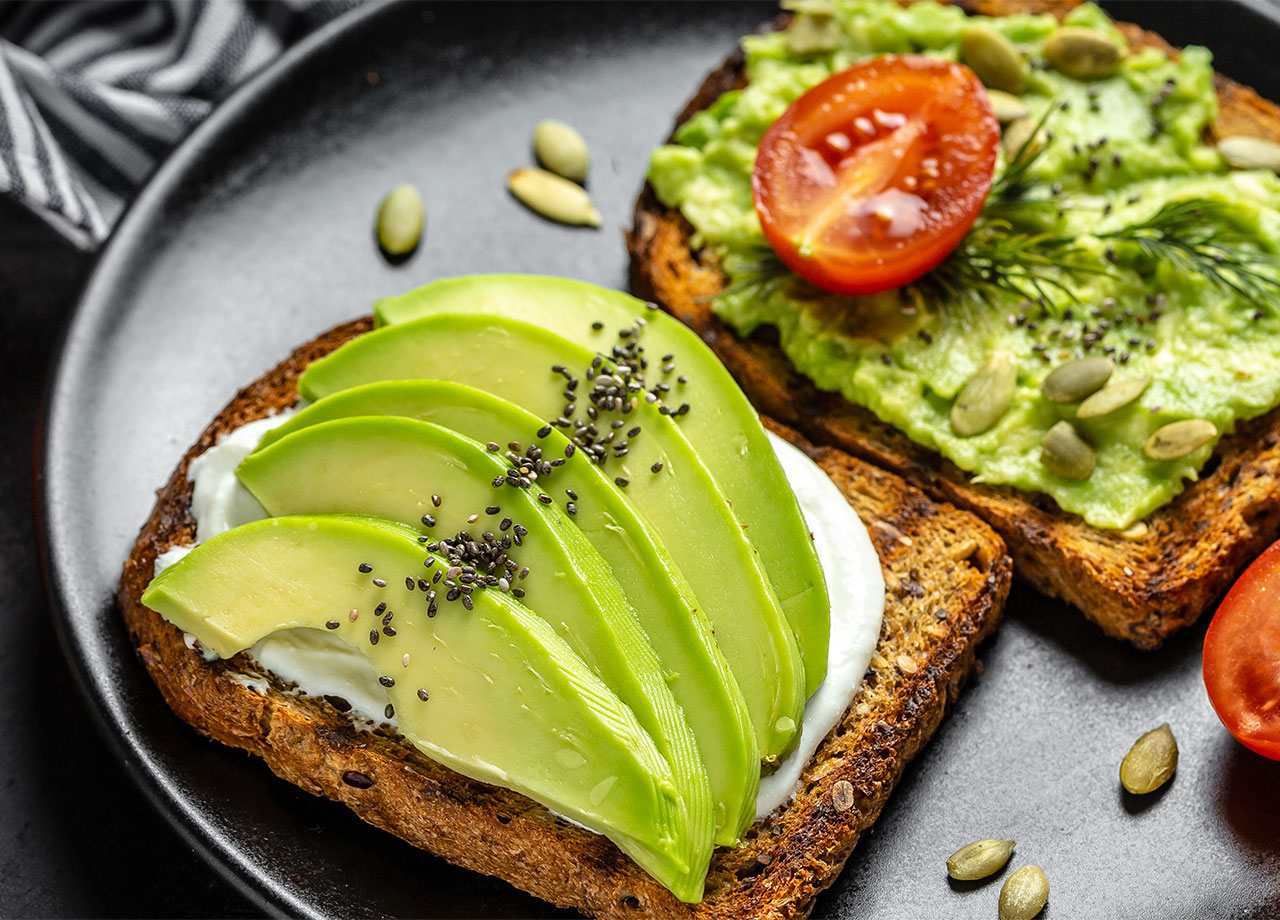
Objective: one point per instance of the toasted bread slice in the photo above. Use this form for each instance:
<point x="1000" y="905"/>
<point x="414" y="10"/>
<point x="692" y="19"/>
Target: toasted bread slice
<point x="934" y="617"/>
<point x="1142" y="585"/>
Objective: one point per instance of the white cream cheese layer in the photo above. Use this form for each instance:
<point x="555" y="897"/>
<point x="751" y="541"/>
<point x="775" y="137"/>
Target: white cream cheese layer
<point x="855" y="586"/>
<point x="322" y="665"/>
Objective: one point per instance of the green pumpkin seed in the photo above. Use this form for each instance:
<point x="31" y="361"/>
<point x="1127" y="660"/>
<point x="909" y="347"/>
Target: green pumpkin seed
<point x="562" y="150"/>
<point x="1024" y="894"/>
<point x="1064" y="453"/>
<point x="399" y="222"/>
<point x="993" y="58"/>
<point x="979" y="859"/>
<point x="1113" y="397"/>
<point x="1019" y="133"/>
<point x="553" y="197"/>
<point x="1006" y="106"/>
<point x="1073" y="381"/>
<point x="1083" y="53"/>
<point x="1242" y="152"/>
<point x="813" y="30"/>
<point x="987" y="395"/>
<point x="1178" y="439"/>
<point x="1150" y="762"/>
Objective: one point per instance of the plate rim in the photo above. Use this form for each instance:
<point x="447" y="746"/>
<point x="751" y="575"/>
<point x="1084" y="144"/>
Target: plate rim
<point x="215" y="849"/>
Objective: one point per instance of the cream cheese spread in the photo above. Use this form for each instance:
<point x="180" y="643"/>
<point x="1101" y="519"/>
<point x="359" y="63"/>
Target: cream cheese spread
<point x="321" y="665"/>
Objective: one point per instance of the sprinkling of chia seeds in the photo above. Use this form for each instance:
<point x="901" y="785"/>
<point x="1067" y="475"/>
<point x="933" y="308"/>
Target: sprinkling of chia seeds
<point x="380" y="582"/>
<point x="622" y="481"/>
<point x="431" y="609"/>
<point x="498" y="481"/>
<point x="365" y="568"/>
<point x="429" y="520"/>
<point x="423" y="695"/>
<point x="656" y="468"/>
<point x="435" y="500"/>
<point x="353" y="615"/>
<point x="492" y="509"/>
<point x="374" y="636"/>
<point x="518" y="592"/>
<point x="544" y="498"/>
<point x="389" y="711"/>
<point x="493" y="447"/>
<point x="885" y="359"/>
<point x="544" y="431"/>
<point x="331" y="624"/>
<point x="468" y="602"/>
<point x="387" y="681"/>
<point x="389" y="631"/>
<point x="571" y="508"/>
<point x="471" y="519"/>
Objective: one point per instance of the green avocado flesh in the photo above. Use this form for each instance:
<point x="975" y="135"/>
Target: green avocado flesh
<point x="697" y="673"/>
<point x="390" y="468"/>
<point x="1118" y="150"/>
<point x="509" y="702"/>
<point x="512" y="361"/>
<point x="721" y="425"/>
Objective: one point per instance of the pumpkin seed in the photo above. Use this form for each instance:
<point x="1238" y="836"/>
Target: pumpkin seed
<point x="399" y="221"/>
<point x="813" y="29"/>
<point x="1018" y="133"/>
<point x="1178" y="439"/>
<point x="1150" y="762"/>
<point x="1006" y="106"/>
<point x="986" y="396"/>
<point x="993" y="58"/>
<point x="553" y="197"/>
<point x="1136" y="531"/>
<point x="1113" y="397"/>
<point x="1064" y="453"/>
<point x="1243" y="152"/>
<point x="1073" y="381"/>
<point x="561" y="149"/>
<point x="1083" y="53"/>
<point x="979" y="859"/>
<point x="1024" y="894"/>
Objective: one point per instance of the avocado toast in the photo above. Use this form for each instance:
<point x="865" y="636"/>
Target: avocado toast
<point x="1139" y="582"/>
<point x="933" y="620"/>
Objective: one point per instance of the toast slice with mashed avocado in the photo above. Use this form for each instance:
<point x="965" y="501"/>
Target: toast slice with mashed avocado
<point x="1140" y="580"/>
<point x="934" y="618"/>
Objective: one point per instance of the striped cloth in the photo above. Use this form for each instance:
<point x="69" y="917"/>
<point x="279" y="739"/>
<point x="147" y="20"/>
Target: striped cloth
<point x="93" y="94"/>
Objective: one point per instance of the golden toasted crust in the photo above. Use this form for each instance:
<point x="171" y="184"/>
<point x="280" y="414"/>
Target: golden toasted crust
<point x="1141" y="588"/>
<point x="934" y="617"/>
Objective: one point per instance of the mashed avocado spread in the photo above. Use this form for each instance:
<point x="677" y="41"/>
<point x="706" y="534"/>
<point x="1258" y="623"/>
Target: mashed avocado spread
<point x="1116" y="151"/>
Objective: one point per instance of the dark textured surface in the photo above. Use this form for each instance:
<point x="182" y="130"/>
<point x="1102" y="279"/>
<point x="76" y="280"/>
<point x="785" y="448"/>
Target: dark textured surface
<point x="256" y="238"/>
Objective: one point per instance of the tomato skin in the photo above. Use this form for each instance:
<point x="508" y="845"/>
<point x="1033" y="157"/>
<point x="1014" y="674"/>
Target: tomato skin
<point x="873" y="176"/>
<point x="1242" y="657"/>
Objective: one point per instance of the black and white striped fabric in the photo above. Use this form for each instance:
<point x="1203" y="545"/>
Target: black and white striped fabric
<point x="93" y="94"/>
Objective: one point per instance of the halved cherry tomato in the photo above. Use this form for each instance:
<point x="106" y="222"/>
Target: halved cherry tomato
<point x="1242" y="657"/>
<point x="873" y="176"/>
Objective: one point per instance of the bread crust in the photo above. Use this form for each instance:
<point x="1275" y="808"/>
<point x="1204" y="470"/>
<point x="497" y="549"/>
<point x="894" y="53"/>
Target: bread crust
<point x="1141" y="587"/>
<point x="934" y="617"/>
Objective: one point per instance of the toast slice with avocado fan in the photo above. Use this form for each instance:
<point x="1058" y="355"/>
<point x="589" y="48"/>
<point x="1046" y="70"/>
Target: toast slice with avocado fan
<point x="935" y="615"/>
<point x="1141" y="584"/>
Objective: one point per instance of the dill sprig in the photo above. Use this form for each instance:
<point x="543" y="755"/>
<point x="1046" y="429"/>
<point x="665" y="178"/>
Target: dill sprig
<point x="993" y="259"/>
<point x="1201" y="237"/>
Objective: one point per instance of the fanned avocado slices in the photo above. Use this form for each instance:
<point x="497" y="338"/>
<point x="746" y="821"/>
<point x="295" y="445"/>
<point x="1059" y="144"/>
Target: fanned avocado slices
<point x="721" y="425"/>
<point x="697" y="673"/>
<point x="513" y="360"/>
<point x="453" y="489"/>
<point x="492" y="692"/>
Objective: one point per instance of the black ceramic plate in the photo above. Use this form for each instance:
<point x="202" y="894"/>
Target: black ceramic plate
<point x="256" y="236"/>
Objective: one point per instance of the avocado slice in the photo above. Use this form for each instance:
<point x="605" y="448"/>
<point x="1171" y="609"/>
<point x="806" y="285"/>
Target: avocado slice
<point x="722" y="425"/>
<point x="699" y="677"/>
<point x="406" y="470"/>
<point x="513" y="360"/>
<point x="508" y="701"/>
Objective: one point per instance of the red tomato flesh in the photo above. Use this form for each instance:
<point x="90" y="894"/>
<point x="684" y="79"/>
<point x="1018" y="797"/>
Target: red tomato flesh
<point x="1242" y="657"/>
<point x="873" y="176"/>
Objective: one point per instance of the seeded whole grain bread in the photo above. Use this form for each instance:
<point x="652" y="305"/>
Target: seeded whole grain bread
<point x="1142" y="585"/>
<point x="935" y="615"/>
